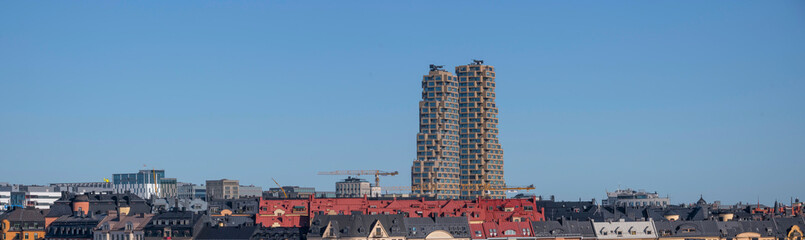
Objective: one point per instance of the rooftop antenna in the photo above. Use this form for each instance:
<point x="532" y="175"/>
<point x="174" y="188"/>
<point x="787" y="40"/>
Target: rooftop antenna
<point x="478" y="62"/>
<point x="434" y="67"/>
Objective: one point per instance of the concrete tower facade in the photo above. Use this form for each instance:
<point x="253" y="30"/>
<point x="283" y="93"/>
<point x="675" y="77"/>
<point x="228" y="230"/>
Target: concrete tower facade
<point x="436" y="169"/>
<point x="481" y="154"/>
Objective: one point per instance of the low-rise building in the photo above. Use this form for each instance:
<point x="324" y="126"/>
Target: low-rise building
<point x="116" y="226"/>
<point x="5" y="197"/>
<point x="354" y="187"/>
<point x="291" y="192"/>
<point x="84" y="187"/>
<point x="457" y="228"/>
<point x="223" y="189"/>
<point x="747" y="230"/>
<point x="96" y="204"/>
<point x="23" y="224"/>
<point x="687" y="230"/>
<point x="250" y="191"/>
<point x="633" y="230"/>
<point x="175" y="225"/>
<point x="563" y="229"/>
<point x="631" y="198"/>
<point x="358" y="227"/>
<point x="191" y="191"/>
<point x="78" y="226"/>
<point x="40" y="197"/>
<point x="196" y="205"/>
<point x="145" y="184"/>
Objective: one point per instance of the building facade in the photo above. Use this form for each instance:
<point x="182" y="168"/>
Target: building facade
<point x="458" y="151"/>
<point x="191" y="191"/>
<point x="291" y="192"/>
<point x="631" y="198"/>
<point x="481" y="153"/>
<point x="353" y="187"/>
<point x="84" y="187"/>
<point x="40" y="197"/>
<point x="5" y="197"/>
<point x="250" y="191"/>
<point x="145" y="184"/>
<point x="223" y="189"/>
<point x="23" y="224"/>
<point x="435" y="172"/>
<point x="117" y="226"/>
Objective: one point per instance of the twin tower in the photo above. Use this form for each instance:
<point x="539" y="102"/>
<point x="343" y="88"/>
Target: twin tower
<point x="458" y="152"/>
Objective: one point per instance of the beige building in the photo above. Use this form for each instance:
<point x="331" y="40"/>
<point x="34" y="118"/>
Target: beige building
<point x="223" y="189"/>
<point x="355" y="187"/>
<point x="120" y="226"/>
<point x="435" y="172"/>
<point x="481" y="154"/>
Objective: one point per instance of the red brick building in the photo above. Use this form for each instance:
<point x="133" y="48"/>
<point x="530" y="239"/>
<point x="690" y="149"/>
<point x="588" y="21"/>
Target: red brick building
<point x="298" y="212"/>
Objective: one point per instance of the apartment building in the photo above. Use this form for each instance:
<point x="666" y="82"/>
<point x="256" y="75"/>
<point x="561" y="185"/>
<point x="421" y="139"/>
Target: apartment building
<point x="458" y="151"/>
<point x="223" y="189"/>
<point x="435" y="172"/>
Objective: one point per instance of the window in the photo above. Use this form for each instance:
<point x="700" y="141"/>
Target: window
<point x="509" y="232"/>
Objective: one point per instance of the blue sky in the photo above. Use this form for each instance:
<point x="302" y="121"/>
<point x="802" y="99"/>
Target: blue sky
<point x="680" y="97"/>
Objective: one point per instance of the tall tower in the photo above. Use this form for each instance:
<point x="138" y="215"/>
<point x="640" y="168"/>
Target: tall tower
<point x="481" y="155"/>
<point x="436" y="169"/>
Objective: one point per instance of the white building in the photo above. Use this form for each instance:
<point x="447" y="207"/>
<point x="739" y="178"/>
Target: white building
<point x="145" y="184"/>
<point x="631" y="198"/>
<point x="5" y="198"/>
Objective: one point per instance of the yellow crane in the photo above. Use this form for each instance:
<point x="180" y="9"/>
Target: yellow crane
<point x="377" y="174"/>
<point x="278" y="185"/>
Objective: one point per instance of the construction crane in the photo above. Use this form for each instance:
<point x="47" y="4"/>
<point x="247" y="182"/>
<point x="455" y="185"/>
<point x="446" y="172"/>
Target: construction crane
<point x="377" y="174"/>
<point x="278" y="185"/>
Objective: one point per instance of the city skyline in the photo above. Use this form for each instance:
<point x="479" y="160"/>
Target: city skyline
<point x="682" y="98"/>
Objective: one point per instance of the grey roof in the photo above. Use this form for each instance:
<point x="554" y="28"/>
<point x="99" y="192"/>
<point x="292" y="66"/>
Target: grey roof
<point x="357" y="225"/>
<point x="279" y="233"/>
<point x="231" y="221"/>
<point x="250" y="205"/>
<point x="784" y="225"/>
<point x="459" y="227"/>
<point x="222" y="233"/>
<point x="730" y="229"/>
<point x="99" y="203"/>
<point x="563" y="228"/>
<point x="78" y="226"/>
<point x="25" y="215"/>
<point x="707" y="228"/>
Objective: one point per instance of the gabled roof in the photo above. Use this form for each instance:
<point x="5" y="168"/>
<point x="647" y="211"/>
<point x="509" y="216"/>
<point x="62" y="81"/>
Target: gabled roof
<point x="357" y="225"/>
<point x="563" y="228"/>
<point x="99" y="203"/>
<point x="459" y="227"/>
<point x="687" y="229"/>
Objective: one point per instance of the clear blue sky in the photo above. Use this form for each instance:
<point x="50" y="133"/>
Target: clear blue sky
<point x="679" y="97"/>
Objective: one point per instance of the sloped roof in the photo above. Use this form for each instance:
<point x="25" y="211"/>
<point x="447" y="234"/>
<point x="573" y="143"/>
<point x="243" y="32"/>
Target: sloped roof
<point x="25" y="215"/>
<point x="357" y="225"/>
<point x="563" y="228"/>
<point x="459" y="227"/>
<point x="239" y="232"/>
